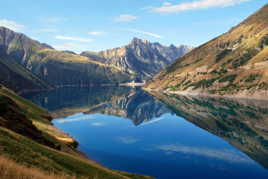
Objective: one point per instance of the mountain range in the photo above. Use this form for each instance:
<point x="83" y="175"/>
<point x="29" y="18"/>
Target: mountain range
<point x="141" y="58"/>
<point x="233" y="64"/>
<point x="26" y="64"/>
<point x="56" y="68"/>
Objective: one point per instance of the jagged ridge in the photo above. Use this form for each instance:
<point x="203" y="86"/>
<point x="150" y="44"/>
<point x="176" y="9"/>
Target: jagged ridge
<point x="140" y="58"/>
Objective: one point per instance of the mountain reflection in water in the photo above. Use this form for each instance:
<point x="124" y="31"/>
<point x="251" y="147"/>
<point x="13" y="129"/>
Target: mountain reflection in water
<point x="131" y="103"/>
<point x="242" y="123"/>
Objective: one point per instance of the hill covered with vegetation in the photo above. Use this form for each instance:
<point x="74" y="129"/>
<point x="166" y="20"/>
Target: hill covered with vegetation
<point x="30" y="145"/>
<point x="233" y="64"/>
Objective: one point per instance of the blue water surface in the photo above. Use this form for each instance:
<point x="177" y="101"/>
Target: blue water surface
<point x="129" y="130"/>
<point x="170" y="147"/>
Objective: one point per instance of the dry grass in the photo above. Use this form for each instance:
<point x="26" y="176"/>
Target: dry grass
<point x="11" y="170"/>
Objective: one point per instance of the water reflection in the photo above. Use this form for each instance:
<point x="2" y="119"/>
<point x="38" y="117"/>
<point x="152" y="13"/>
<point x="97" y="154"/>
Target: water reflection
<point x="243" y="123"/>
<point x="160" y="143"/>
<point x="130" y="103"/>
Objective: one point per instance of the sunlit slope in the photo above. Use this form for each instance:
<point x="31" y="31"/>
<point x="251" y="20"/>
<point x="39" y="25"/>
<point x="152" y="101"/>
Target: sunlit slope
<point x="231" y="64"/>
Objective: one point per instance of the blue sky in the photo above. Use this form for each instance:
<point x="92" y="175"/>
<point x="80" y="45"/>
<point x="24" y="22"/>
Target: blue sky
<point x="101" y="24"/>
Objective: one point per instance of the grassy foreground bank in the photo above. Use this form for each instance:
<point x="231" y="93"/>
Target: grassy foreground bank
<point x="30" y="147"/>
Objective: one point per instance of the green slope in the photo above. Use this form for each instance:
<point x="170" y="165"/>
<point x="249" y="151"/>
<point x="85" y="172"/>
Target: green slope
<point x="234" y="63"/>
<point x="58" y="68"/>
<point x="28" y="138"/>
<point x="16" y="77"/>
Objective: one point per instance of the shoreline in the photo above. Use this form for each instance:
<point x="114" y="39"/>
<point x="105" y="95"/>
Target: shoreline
<point x="25" y="91"/>
<point x="241" y="96"/>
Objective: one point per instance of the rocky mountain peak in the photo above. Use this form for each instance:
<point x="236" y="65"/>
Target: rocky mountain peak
<point x="138" y="41"/>
<point x="172" y="46"/>
<point x="140" y="58"/>
<point x="8" y="37"/>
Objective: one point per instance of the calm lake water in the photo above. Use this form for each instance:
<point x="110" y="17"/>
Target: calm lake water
<point x="127" y="129"/>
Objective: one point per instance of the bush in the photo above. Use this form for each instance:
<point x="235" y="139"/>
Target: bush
<point x="206" y="83"/>
<point x="228" y="78"/>
<point x="222" y="54"/>
<point x="252" y="78"/>
<point x="245" y="58"/>
<point x="230" y="87"/>
<point x="264" y="41"/>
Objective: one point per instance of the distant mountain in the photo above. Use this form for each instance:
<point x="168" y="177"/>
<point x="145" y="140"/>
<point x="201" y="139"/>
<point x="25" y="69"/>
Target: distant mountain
<point x="141" y="58"/>
<point x="58" y="68"/>
<point x="234" y="63"/>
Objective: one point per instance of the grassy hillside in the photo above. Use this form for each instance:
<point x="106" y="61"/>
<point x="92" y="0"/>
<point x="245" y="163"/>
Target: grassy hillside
<point x="58" y="68"/>
<point x="28" y="138"/>
<point x="62" y="68"/>
<point x="11" y="170"/>
<point x="18" y="78"/>
<point x="234" y="63"/>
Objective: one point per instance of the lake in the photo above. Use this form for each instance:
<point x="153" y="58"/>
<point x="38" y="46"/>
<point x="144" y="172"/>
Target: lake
<point x="165" y="136"/>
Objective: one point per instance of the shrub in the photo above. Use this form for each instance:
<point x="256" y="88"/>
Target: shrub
<point x="244" y="58"/>
<point x="264" y="41"/>
<point x="228" y="78"/>
<point x="252" y="78"/>
<point x="230" y="87"/>
<point x="206" y="83"/>
<point x="222" y="54"/>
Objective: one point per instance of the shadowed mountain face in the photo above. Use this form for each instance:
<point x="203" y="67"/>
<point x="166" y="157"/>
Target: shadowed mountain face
<point x="35" y="62"/>
<point x="133" y="104"/>
<point x="243" y="123"/>
<point x="140" y="58"/>
<point x="234" y="63"/>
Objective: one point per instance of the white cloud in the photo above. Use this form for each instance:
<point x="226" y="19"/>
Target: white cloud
<point x="11" y="25"/>
<point x="167" y="4"/>
<point x="226" y="155"/>
<point x="96" y="33"/>
<point x="79" y="39"/>
<point x="53" y="19"/>
<point x="49" y="30"/>
<point x="127" y="140"/>
<point x="76" y="47"/>
<point x="197" y="4"/>
<point x="79" y="116"/>
<point x="125" y="18"/>
<point x="152" y="121"/>
<point x="97" y="124"/>
<point x="146" y="33"/>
